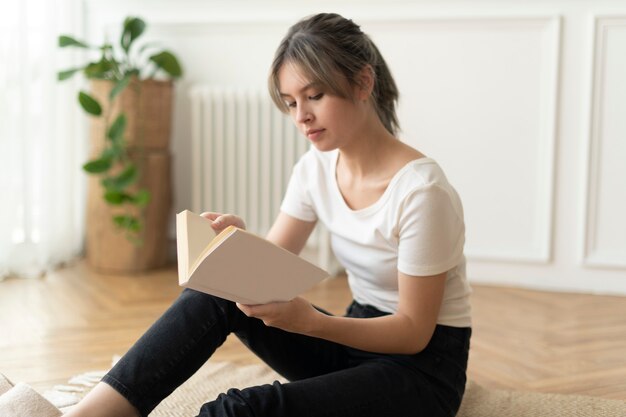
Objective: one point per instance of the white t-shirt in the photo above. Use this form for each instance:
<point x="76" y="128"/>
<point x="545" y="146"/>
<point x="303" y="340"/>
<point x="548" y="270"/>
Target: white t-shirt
<point x="416" y="227"/>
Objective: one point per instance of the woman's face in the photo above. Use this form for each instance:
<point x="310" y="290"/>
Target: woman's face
<point x="328" y="121"/>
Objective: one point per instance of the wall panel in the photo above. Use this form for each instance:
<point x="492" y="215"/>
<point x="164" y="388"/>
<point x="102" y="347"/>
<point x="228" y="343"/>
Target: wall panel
<point x="605" y="237"/>
<point x="479" y="95"/>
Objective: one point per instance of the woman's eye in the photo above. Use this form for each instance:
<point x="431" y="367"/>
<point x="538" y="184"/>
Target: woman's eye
<point x="293" y="104"/>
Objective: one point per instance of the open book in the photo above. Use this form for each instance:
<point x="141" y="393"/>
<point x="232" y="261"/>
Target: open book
<point x="238" y="265"/>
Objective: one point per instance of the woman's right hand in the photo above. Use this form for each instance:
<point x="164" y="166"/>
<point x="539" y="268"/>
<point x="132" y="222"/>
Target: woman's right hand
<point x="220" y="221"/>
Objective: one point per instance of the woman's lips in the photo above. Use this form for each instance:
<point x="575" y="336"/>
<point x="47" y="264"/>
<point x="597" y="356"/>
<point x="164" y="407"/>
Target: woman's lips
<point x="314" y="134"/>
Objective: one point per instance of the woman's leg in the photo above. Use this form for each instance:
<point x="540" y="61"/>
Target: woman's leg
<point x="430" y="384"/>
<point x="183" y="339"/>
<point x="103" y="401"/>
<point x="292" y="355"/>
<point x="376" y="388"/>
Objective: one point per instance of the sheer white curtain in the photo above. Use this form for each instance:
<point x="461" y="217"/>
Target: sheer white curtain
<point x="41" y="143"/>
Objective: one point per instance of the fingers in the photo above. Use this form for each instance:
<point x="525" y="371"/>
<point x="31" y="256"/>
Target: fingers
<point x="267" y="313"/>
<point x="244" y="308"/>
<point x="229" y="220"/>
<point x="210" y="215"/>
<point x="293" y="316"/>
<point x="251" y="310"/>
<point x="221" y="221"/>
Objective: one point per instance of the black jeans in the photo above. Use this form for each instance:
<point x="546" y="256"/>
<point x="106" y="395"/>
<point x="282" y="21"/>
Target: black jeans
<point x="326" y="378"/>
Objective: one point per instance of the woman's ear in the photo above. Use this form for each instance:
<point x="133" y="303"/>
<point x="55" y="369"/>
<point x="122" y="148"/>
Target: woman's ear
<point x="365" y="83"/>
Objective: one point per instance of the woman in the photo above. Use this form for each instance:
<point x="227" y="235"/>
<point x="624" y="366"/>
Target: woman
<point x="397" y="227"/>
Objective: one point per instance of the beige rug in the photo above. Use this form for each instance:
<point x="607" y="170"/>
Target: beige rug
<point x="215" y="378"/>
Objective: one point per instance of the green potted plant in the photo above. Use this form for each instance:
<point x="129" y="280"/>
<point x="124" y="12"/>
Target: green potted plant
<point x="130" y="104"/>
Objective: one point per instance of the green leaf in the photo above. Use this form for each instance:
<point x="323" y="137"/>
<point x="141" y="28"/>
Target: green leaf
<point x="142" y="198"/>
<point x="100" y="69"/>
<point x="113" y="152"/>
<point x="89" y="104"/>
<point x="168" y="63"/>
<point x="125" y="178"/>
<point x="133" y="28"/>
<point x="97" y="166"/>
<point x="127" y="222"/>
<point x="64" y="75"/>
<point x="116" y="131"/>
<point x="128" y="176"/>
<point x="65" y="40"/>
<point x="119" y="86"/>
<point x="109" y="184"/>
<point x="117" y="198"/>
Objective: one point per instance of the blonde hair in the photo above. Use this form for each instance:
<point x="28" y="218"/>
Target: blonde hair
<point x="331" y="50"/>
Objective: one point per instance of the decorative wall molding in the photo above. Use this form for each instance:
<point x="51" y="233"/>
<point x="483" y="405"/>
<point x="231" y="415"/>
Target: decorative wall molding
<point x="538" y="251"/>
<point x="593" y="254"/>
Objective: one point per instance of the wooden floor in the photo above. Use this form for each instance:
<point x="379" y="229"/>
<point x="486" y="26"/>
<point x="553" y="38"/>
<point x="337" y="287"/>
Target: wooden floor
<point x="74" y="320"/>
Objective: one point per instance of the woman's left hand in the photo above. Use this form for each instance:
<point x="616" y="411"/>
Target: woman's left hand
<point x="296" y="316"/>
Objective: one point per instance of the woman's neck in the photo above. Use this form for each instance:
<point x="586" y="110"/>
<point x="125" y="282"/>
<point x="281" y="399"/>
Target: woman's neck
<point x="368" y="150"/>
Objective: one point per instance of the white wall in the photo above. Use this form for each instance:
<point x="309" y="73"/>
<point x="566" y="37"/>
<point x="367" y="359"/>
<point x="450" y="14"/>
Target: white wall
<point x="522" y="102"/>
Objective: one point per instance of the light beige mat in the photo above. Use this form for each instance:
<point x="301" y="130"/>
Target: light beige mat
<point x="215" y="378"/>
<point x="483" y="402"/>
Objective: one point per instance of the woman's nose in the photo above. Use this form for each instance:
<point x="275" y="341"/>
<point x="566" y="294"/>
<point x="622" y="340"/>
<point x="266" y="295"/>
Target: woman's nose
<point x="303" y="114"/>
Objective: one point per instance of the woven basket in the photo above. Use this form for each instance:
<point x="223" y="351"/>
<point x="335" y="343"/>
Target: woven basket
<point x="148" y="108"/>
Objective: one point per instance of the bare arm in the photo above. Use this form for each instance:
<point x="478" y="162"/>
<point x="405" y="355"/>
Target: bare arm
<point x="405" y="332"/>
<point x="290" y="233"/>
<point x="287" y="232"/>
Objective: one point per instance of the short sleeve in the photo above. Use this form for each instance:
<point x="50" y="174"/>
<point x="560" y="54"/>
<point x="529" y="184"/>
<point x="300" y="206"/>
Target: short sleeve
<point x="297" y="200"/>
<point x="431" y="232"/>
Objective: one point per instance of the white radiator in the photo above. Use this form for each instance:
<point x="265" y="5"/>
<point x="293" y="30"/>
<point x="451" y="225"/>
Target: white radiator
<point x="243" y="151"/>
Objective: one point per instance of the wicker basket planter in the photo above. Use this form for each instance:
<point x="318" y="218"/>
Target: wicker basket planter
<point x="149" y="114"/>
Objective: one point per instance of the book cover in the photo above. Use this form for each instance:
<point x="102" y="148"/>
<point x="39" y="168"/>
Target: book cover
<point x="238" y="265"/>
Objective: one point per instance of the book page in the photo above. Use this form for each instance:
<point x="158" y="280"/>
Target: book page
<point x="193" y="234"/>
<point x="206" y="250"/>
